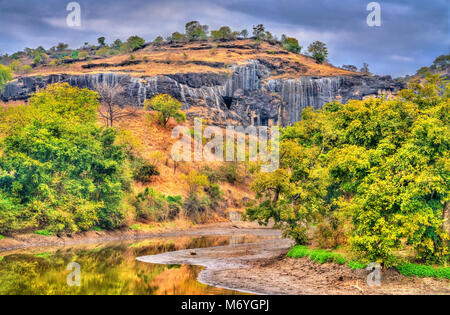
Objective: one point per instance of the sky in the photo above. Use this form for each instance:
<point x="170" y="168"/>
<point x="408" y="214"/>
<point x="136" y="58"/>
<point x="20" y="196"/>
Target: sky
<point x="411" y="35"/>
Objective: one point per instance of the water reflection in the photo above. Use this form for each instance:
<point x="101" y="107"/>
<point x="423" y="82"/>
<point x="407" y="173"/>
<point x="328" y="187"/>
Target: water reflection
<point x="109" y="269"/>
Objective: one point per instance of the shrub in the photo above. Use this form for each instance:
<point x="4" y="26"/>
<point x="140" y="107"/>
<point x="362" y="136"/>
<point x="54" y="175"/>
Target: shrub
<point x="144" y="171"/>
<point x="195" y="207"/>
<point x="330" y="233"/>
<point x="230" y="173"/>
<point x="212" y="174"/>
<point x="134" y="43"/>
<point x="5" y="76"/>
<point x="194" y="181"/>
<point x="215" y="195"/>
<point x="155" y="206"/>
<point x="167" y="107"/>
<point x="9" y="213"/>
<point x="291" y="44"/>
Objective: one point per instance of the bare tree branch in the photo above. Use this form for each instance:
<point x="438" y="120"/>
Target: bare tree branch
<point x="113" y="103"/>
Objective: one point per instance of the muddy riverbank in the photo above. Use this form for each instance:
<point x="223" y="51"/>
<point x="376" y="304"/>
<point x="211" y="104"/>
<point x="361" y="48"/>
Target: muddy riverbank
<point x="263" y="268"/>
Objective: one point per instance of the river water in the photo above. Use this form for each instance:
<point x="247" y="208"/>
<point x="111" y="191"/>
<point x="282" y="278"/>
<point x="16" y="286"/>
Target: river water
<point x="110" y="268"/>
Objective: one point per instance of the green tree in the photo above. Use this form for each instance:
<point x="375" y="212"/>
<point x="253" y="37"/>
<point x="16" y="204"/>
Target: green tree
<point x="350" y="68"/>
<point x="158" y="40"/>
<point x="381" y="167"/>
<point x="291" y="44"/>
<point x="224" y="33"/>
<point x="365" y="69"/>
<point x="135" y="43"/>
<point x="116" y="44"/>
<point x="101" y="41"/>
<point x="177" y="37"/>
<point x="5" y="76"/>
<point x="259" y="31"/>
<point x="59" y="170"/>
<point x="318" y="51"/>
<point x="62" y="47"/>
<point x="167" y="107"/>
<point x="195" y="31"/>
<point x="442" y="62"/>
<point x="244" y="33"/>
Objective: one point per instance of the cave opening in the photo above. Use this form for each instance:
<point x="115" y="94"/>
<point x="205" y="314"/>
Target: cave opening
<point x="228" y="101"/>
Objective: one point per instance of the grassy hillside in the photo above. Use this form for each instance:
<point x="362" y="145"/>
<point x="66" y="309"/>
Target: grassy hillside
<point x="203" y="56"/>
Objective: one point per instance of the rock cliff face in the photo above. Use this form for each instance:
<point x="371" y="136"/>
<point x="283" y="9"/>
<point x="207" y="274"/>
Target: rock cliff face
<point x="247" y="96"/>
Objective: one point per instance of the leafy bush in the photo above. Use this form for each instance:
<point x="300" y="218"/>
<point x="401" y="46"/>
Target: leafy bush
<point x="212" y="174"/>
<point x="215" y="195"/>
<point x="195" y="207"/>
<point x="144" y="171"/>
<point x="291" y="44"/>
<point x="167" y="107"/>
<point x="330" y="233"/>
<point x="9" y="216"/>
<point x="134" y="43"/>
<point x="155" y="206"/>
<point x="229" y="172"/>
<point x="194" y="181"/>
<point x="5" y="76"/>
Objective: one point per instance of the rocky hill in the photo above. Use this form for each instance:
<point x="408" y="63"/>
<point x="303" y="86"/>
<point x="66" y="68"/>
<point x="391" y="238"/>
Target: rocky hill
<point x="237" y="82"/>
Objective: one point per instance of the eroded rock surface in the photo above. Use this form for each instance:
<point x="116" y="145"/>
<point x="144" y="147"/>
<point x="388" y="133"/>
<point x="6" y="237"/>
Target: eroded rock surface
<point x="249" y="96"/>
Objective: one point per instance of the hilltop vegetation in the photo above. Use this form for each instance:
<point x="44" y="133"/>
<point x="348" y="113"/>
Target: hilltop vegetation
<point x="196" y="49"/>
<point x="440" y="66"/>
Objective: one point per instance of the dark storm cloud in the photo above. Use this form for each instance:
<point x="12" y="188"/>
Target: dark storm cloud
<point x="412" y="33"/>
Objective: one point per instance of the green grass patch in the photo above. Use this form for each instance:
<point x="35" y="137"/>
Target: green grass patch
<point x="43" y="255"/>
<point x="322" y="256"/>
<point x="1" y="258"/>
<point x="97" y="229"/>
<point x="43" y="232"/>
<point x="136" y="227"/>
<point x="408" y="269"/>
<point x="1" y="237"/>
<point x="422" y="271"/>
<point x="318" y="255"/>
<point x="354" y="264"/>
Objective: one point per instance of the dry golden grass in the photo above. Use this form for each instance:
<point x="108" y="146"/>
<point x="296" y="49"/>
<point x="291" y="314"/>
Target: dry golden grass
<point x="155" y="138"/>
<point x="170" y="59"/>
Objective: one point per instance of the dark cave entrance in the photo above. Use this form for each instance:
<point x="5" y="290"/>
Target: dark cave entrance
<point x="228" y="101"/>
